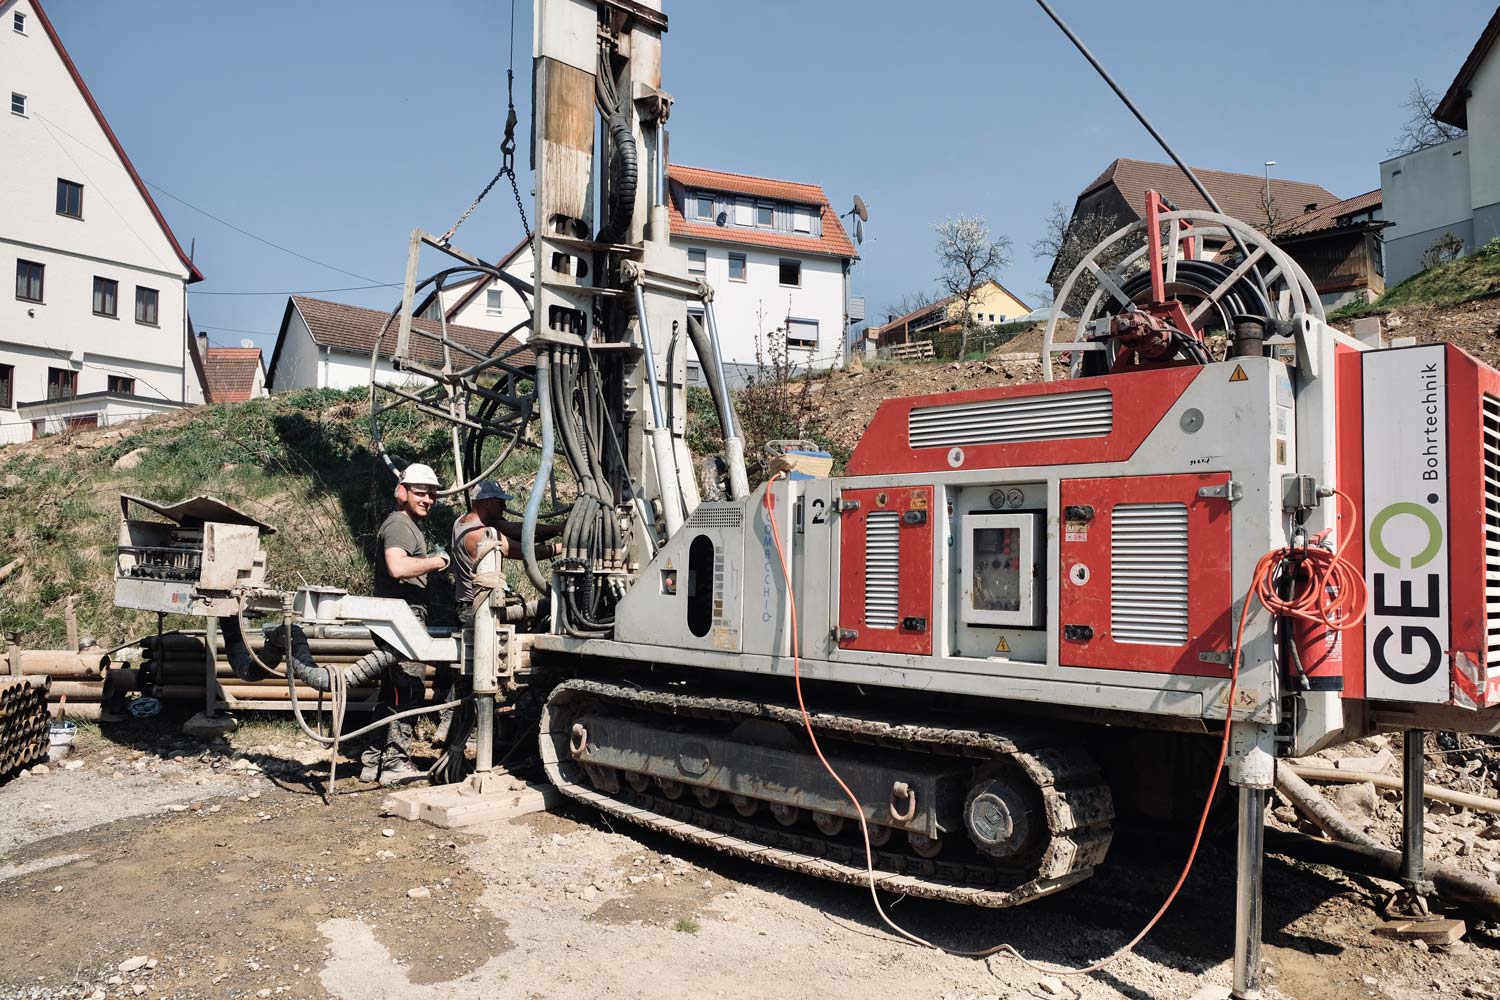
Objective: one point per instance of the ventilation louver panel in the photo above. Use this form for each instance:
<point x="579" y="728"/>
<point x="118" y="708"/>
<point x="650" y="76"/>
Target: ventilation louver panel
<point x="712" y="514"/>
<point x="1148" y="561"/>
<point x="882" y="569"/>
<point x="1049" y="417"/>
<point x="1492" y="527"/>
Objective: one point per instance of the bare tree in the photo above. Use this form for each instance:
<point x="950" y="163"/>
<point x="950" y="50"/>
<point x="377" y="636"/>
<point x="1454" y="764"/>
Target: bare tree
<point x="1066" y="239"/>
<point x="1422" y="129"/>
<point x="969" y="256"/>
<point x="911" y="302"/>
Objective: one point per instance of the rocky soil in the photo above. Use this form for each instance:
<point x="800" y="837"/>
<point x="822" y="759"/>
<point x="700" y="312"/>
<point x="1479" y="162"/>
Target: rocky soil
<point x="150" y="866"/>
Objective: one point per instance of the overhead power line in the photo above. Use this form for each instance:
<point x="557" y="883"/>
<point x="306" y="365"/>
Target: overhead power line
<point x="309" y="291"/>
<point x="201" y="211"/>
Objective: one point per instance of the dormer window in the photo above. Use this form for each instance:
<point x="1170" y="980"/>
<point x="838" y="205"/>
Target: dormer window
<point x="765" y="215"/>
<point x="704" y="208"/>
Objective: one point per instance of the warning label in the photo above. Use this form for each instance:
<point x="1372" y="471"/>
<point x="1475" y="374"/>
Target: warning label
<point x="1238" y="375"/>
<point x="1002" y="646"/>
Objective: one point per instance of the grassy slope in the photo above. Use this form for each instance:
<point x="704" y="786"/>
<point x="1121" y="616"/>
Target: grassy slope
<point x="1473" y="277"/>
<point x="300" y="462"/>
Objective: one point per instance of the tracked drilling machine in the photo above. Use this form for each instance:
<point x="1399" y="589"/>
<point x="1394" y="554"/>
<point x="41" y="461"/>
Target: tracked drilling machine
<point x="1219" y="527"/>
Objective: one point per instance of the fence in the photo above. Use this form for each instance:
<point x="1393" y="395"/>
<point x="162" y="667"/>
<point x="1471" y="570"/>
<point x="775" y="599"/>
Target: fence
<point x="945" y="344"/>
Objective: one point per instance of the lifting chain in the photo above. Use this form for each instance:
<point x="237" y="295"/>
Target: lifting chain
<point x="507" y="151"/>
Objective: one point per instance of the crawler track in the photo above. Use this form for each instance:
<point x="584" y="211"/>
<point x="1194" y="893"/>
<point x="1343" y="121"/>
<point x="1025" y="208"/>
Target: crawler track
<point x="1075" y="801"/>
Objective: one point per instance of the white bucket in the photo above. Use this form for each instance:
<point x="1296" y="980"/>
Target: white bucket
<point x="60" y="739"/>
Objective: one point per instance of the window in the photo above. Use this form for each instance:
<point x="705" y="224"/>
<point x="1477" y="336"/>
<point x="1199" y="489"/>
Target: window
<point x="106" y="297"/>
<point x="18" y="104"/>
<point x="765" y="216"/>
<point x="29" y="280"/>
<point x="694" y="374"/>
<point x="802" y="334"/>
<point x="145" y="305"/>
<point x="19" y="21"/>
<point x="62" y="383"/>
<point x="69" y="199"/>
<point x="802" y="220"/>
<point x="705" y="207"/>
<point x="494" y="302"/>
<point x="790" y="271"/>
<point x="7" y="386"/>
<point x="736" y="267"/>
<point x="697" y="261"/>
<point x="119" y="383"/>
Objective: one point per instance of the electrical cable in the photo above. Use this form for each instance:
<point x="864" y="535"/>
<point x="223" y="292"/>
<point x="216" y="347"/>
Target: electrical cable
<point x="1327" y="588"/>
<point x="1263" y="568"/>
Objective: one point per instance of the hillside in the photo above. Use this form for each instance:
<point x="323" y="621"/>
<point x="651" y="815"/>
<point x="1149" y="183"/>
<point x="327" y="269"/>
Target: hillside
<point x="303" y="463"/>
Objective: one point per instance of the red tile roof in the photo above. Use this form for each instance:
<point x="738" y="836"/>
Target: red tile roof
<point x="109" y="133"/>
<point x="1238" y="195"/>
<point x="354" y="329"/>
<point x="1453" y="109"/>
<point x="230" y="373"/>
<point x="1328" y="217"/>
<point x="833" y="243"/>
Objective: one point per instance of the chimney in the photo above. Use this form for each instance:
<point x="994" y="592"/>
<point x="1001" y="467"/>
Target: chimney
<point x="202" y="345"/>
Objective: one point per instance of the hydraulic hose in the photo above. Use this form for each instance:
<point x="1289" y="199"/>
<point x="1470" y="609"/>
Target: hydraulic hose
<point x="543" y="472"/>
<point x="249" y="667"/>
<point x="709" y="362"/>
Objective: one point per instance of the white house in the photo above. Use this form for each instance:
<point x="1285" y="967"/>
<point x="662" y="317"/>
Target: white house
<point x="1451" y="190"/>
<point x="774" y="251"/>
<point x="778" y="260"/>
<point x="97" y="329"/>
<point x="328" y="344"/>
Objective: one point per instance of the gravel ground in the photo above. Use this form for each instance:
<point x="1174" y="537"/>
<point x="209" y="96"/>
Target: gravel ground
<point x="223" y="874"/>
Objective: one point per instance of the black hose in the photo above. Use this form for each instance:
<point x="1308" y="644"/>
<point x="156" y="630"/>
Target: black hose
<point x="623" y="174"/>
<point x="301" y="663"/>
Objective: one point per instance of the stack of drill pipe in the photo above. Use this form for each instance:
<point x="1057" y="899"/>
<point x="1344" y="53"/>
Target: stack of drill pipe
<point x="23" y="724"/>
<point x="178" y="665"/>
<point x="78" y="677"/>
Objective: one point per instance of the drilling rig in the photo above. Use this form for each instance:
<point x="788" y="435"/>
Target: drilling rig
<point x="1219" y="527"/>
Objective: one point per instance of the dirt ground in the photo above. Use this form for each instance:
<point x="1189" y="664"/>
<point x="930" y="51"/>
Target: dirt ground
<point x="220" y="873"/>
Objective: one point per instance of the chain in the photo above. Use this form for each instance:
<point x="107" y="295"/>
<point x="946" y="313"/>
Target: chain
<point x="507" y="153"/>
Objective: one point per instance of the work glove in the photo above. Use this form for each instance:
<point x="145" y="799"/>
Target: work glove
<point x="438" y="550"/>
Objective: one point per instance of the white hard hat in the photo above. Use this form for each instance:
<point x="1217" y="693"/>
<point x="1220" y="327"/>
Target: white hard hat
<point x="417" y="474"/>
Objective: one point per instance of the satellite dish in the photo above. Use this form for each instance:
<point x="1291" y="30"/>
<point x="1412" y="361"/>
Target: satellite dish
<point x="859" y="231"/>
<point x="721" y="219"/>
<point x="246" y="342"/>
<point x="861" y="209"/>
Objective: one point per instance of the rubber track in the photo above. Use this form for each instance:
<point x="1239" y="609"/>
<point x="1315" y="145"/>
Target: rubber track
<point x="1077" y="803"/>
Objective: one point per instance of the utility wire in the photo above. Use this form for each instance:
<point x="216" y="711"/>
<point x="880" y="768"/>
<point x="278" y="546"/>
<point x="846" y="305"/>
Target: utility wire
<point x="223" y="222"/>
<point x="309" y="291"/>
<point x="259" y="239"/>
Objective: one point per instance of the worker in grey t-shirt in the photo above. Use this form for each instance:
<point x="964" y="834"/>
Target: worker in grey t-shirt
<point x="402" y="564"/>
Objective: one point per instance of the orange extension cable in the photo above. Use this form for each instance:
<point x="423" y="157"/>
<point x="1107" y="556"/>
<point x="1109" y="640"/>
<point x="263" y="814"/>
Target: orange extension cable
<point x="1332" y="610"/>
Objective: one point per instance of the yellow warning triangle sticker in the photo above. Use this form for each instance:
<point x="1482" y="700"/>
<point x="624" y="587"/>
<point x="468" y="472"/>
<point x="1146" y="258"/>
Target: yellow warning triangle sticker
<point x="1002" y="646"/>
<point x="1239" y="374"/>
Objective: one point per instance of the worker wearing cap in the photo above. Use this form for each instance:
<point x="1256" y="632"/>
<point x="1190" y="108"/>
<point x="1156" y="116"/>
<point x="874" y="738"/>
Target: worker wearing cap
<point x="489" y="511"/>
<point x="402" y="564"/>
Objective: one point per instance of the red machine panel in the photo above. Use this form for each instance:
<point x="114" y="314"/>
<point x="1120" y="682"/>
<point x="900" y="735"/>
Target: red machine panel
<point x="1350" y="453"/>
<point x="885" y="570"/>
<point x="1134" y="407"/>
<point x="1146" y="574"/>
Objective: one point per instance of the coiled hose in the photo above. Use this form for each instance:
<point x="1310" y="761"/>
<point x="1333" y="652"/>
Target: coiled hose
<point x="248" y="667"/>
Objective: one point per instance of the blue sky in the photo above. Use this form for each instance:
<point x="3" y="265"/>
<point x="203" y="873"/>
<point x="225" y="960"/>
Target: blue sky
<point x="335" y="127"/>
